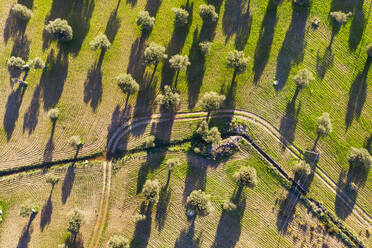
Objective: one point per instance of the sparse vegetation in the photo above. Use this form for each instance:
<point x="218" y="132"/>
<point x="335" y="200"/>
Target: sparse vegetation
<point x="52" y="179"/>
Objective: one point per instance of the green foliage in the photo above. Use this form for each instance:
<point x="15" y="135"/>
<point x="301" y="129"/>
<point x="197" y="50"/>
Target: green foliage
<point x="37" y="63"/>
<point x="181" y="17"/>
<point x="369" y="50"/>
<point x="172" y="163"/>
<point x="22" y="12"/>
<point x="246" y="177"/>
<point x="229" y="206"/>
<point x="75" y="220"/>
<point x="324" y="125"/>
<point x="360" y="158"/>
<point x="127" y="84"/>
<point x="208" y="13"/>
<point x="303" y="78"/>
<point x="205" y="47"/>
<point x="52" y="179"/>
<point x="145" y="20"/>
<point x="340" y="17"/>
<point x="238" y="61"/>
<point x="75" y="141"/>
<point x="28" y="208"/>
<point x="169" y="99"/>
<point x="16" y="62"/>
<point x="149" y="141"/>
<point x="117" y="241"/>
<point x="154" y="53"/>
<point x="302" y="168"/>
<point x="211" y="101"/>
<point x="210" y="136"/>
<point x="199" y="202"/>
<point x="179" y="62"/>
<point x="151" y="190"/>
<point x="60" y="29"/>
<point x="100" y="42"/>
<point x="53" y="114"/>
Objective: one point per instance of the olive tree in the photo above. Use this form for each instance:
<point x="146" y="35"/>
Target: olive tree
<point x="340" y="17"/>
<point x="324" y="127"/>
<point x="28" y="208"/>
<point x="75" y="141"/>
<point x="52" y="180"/>
<point x="199" y="202"/>
<point x="151" y="190"/>
<point x="211" y="101"/>
<point x="302" y="168"/>
<point x="246" y="177"/>
<point x="149" y="141"/>
<point x="210" y="136"/>
<point x="127" y="85"/>
<point x="237" y="61"/>
<point x="360" y="158"/>
<point x="53" y="114"/>
<point x="179" y="63"/>
<point x="117" y="241"/>
<point x="60" y="29"/>
<point x="302" y="80"/>
<point x="153" y="54"/>
<point x="169" y="100"/>
<point x="100" y="42"/>
<point x="205" y="47"/>
<point x="208" y="13"/>
<point x="15" y="63"/>
<point x="37" y="63"/>
<point x="21" y="12"/>
<point x="75" y="220"/>
<point x="171" y="164"/>
<point x="145" y="20"/>
<point x="181" y="17"/>
<point x="369" y="50"/>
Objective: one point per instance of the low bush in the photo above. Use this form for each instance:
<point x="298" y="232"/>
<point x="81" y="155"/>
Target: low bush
<point x="229" y="206"/>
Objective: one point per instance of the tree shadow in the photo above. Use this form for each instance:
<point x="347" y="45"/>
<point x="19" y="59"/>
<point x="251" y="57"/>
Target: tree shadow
<point x="113" y="24"/>
<point x="145" y="103"/>
<point x="357" y="95"/>
<point x="292" y="50"/>
<point x="323" y="63"/>
<point x="74" y="241"/>
<point x="68" y="182"/>
<point x="53" y="79"/>
<point x="49" y="148"/>
<point x="162" y="207"/>
<point x="14" y="27"/>
<point x="237" y="20"/>
<point x="118" y="117"/>
<point x="46" y="212"/>
<point x="136" y="66"/>
<point x="26" y="233"/>
<point x="357" y="25"/>
<point x="12" y="110"/>
<point x="132" y="2"/>
<point x="288" y="123"/>
<point x="287" y="209"/>
<point x="21" y="48"/>
<point x="142" y="230"/>
<point x="93" y="83"/>
<point x="186" y="238"/>
<point x="152" y="6"/>
<point x="368" y="143"/>
<point x="265" y="40"/>
<point x="31" y="117"/>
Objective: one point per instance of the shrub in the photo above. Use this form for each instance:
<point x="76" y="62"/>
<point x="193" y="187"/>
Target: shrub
<point x="118" y="242"/>
<point x="169" y="100"/>
<point x="60" y="29"/>
<point x="22" y="12"/>
<point x="181" y="17"/>
<point x="238" y="61"/>
<point x="100" y="42"/>
<point x="369" y="50"/>
<point x="75" y="219"/>
<point x="246" y="177"/>
<point x="360" y="158"/>
<point x="302" y="168"/>
<point x="340" y="17"/>
<point x="211" y="101"/>
<point x="127" y="84"/>
<point x="210" y="136"/>
<point x="149" y="141"/>
<point x="145" y="20"/>
<point x="324" y="125"/>
<point x="53" y="114"/>
<point x="352" y="187"/>
<point x="154" y="53"/>
<point x="151" y="190"/>
<point x="199" y="202"/>
<point x="303" y="78"/>
<point x="16" y="62"/>
<point x="75" y="142"/>
<point x="208" y="13"/>
<point x="205" y="47"/>
<point x="52" y="179"/>
<point x="179" y="62"/>
<point x="28" y="208"/>
<point x="37" y="63"/>
<point x="229" y="206"/>
<point x="140" y="217"/>
<point x="172" y="163"/>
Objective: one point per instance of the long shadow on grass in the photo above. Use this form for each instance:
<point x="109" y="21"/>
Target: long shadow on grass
<point x="186" y="238"/>
<point x="68" y="182"/>
<point x="21" y="48"/>
<point x="49" y="148"/>
<point x="293" y="46"/>
<point x="118" y="117"/>
<point x="31" y="116"/>
<point x="46" y="212"/>
<point x="15" y="27"/>
<point x="136" y="65"/>
<point x="152" y="6"/>
<point x="142" y="230"/>
<point x="113" y="24"/>
<point x="26" y="233"/>
<point x="324" y="62"/>
<point x="265" y="40"/>
<point x="357" y="95"/>
<point x="162" y="207"/>
<point x="12" y="110"/>
<point x="287" y="209"/>
<point x="288" y="122"/>
<point x="357" y="25"/>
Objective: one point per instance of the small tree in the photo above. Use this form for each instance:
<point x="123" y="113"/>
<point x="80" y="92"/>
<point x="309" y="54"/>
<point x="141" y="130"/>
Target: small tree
<point x="172" y="163"/>
<point x="208" y="13"/>
<point x="16" y="63"/>
<point x="145" y="20"/>
<point x="340" y="17"/>
<point x="246" y="177"/>
<point x="151" y="190"/>
<point x="369" y="50"/>
<point x="149" y="141"/>
<point x="238" y="61"/>
<point x="117" y="241"/>
<point x="169" y="100"/>
<point x="127" y="85"/>
<point x="52" y="179"/>
<point x="28" y="208"/>
<point x="205" y="47"/>
<point x="22" y="12"/>
<point x="210" y="136"/>
<point x="302" y="168"/>
<point x="360" y="158"/>
<point x="229" y="206"/>
<point x="60" y="29"/>
<point x="211" y="101"/>
<point x="181" y="17"/>
<point x="37" y="63"/>
<point x="75" y="142"/>
<point x="324" y="127"/>
<point x="179" y="63"/>
<point x="100" y="42"/>
<point x="75" y="220"/>
<point x="303" y="78"/>
<point x="199" y="202"/>
<point x="153" y="54"/>
<point x="53" y="114"/>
